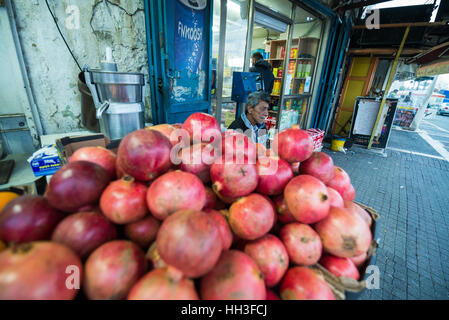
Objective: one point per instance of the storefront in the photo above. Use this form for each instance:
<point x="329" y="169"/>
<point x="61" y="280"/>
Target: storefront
<point x="290" y="36"/>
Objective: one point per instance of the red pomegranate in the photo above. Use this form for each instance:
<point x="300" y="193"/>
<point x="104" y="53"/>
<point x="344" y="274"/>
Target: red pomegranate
<point x="271" y="295"/>
<point x="76" y="185"/>
<point x="319" y="165"/>
<point x="340" y="267"/>
<point x="99" y="155"/>
<point x="359" y="260"/>
<point x="261" y="151"/>
<point x="223" y="226"/>
<point x="295" y="167"/>
<point x="284" y="215"/>
<point x="307" y="199"/>
<point x="123" y="201"/>
<point x="83" y="232"/>
<point x="120" y="173"/>
<point x="190" y="241"/>
<point x="302" y="283"/>
<point x="349" y="193"/>
<point x="112" y="270"/>
<point x="154" y="258"/>
<point x="238" y="148"/>
<point x="344" y="234"/>
<point x="293" y="145"/>
<point x="251" y="217"/>
<point x="144" y="154"/>
<point x="211" y="199"/>
<point x="274" y="174"/>
<point x="335" y="199"/>
<point x="270" y="256"/>
<point x="28" y="218"/>
<point x="235" y="277"/>
<point x="143" y="232"/>
<point x="341" y="180"/>
<point x="175" y="191"/>
<point x="358" y="210"/>
<point x="40" y="270"/>
<point x="197" y="160"/>
<point x="202" y="127"/>
<point x="302" y="242"/>
<point x="163" y="284"/>
<point x="167" y="131"/>
<point x="231" y="179"/>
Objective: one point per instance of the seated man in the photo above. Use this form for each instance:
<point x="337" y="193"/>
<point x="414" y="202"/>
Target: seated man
<point x="252" y="122"/>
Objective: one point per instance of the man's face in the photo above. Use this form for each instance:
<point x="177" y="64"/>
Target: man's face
<point x="254" y="60"/>
<point x="259" y="112"/>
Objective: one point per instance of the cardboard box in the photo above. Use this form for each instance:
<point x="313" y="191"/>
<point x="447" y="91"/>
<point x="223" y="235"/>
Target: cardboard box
<point x="68" y="145"/>
<point x="45" y="161"/>
<point x="344" y="287"/>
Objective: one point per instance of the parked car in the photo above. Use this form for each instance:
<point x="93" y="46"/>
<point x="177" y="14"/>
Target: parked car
<point x="444" y="109"/>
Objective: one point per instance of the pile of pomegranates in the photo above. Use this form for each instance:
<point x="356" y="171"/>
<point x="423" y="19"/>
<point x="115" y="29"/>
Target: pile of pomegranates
<point x="187" y="212"/>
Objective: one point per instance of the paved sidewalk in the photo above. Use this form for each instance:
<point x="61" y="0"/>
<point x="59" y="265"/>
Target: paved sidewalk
<point x="411" y="194"/>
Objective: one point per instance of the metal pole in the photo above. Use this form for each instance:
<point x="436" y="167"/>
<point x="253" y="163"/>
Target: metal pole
<point x="387" y="88"/>
<point x="221" y="53"/>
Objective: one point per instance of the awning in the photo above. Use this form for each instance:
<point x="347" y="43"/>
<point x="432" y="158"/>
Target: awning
<point x="433" y="61"/>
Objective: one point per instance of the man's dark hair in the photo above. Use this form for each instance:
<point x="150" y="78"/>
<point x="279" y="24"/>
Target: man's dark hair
<point x="254" y="98"/>
<point x="257" y="55"/>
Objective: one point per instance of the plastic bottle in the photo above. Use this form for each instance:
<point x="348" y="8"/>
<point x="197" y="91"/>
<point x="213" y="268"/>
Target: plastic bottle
<point x="308" y="69"/>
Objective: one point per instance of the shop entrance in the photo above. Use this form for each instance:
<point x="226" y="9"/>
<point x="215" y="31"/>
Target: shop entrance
<point x="289" y="38"/>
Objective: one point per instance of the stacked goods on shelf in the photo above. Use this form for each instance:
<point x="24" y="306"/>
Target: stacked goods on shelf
<point x="218" y="216"/>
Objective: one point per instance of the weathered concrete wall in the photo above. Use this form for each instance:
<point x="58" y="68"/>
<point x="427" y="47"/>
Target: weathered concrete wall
<point x="119" y="24"/>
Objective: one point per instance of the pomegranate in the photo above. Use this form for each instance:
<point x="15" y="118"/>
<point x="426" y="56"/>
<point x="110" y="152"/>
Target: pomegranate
<point x="123" y="201"/>
<point x="175" y="191"/>
<point x="112" y="270"/>
<point x="202" y="127"/>
<point x="284" y="215"/>
<point x="340" y="181"/>
<point x="99" y="155"/>
<point x="154" y="258"/>
<point x="143" y="232"/>
<point x="233" y="180"/>
<point x="319" y="165"/>
<point x="251" y="217"/>
<point x="359" y="260"/>
<point x="293" y="145"/>
<point x="166" y="130"/>
<point x="211" y="198"/>
<point x="354" y="208"/>
<point x="120" y="173"/>
<point x="28" y="218"/>
<point x="77" y="184"/>
<point x="344" y="234"/>
<point x="340" y="267"/>
<point x="163" y="284"/>
<point x="39" y="270"/>
<point x="261" y="151"/>
<point x="302" y="283"/>
<point x="83" y="232"/>
<point x="235" y="277"/>
<point x="223" y="227"/>
<point x="144" y="154"/>
<point x="197" y="160"/>
<point x="307" y="199"/>
<point x="335" y="199"/>
<point x="270" y="256"/>
<point x="271" y="295"/>
<point x="302" y="242"/>
<point x="274" y="174"/>
<point x="349" y="193"/>
<point x="190" y="241"/>
<point x="238" y="148"/>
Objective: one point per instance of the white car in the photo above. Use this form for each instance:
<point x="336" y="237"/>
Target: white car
<point x="444" y="109"/>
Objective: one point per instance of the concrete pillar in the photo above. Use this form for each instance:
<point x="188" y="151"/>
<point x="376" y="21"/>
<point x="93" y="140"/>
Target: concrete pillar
<point x="422" y="108"/>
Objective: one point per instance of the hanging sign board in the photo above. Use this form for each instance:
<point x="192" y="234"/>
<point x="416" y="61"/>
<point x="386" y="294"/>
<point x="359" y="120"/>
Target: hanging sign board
<point x="364" y="118"/>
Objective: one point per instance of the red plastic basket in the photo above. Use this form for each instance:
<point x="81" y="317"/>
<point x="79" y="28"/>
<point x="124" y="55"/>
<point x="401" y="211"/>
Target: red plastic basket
<point x="317" y="137"/>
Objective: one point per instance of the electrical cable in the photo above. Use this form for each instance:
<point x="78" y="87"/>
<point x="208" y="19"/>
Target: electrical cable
<point x="62" y="36"/>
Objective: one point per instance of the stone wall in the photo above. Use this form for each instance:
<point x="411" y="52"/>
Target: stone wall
<point x="89" y="26"/>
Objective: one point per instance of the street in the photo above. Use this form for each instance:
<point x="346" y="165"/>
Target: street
<point x="438" y="129"/>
